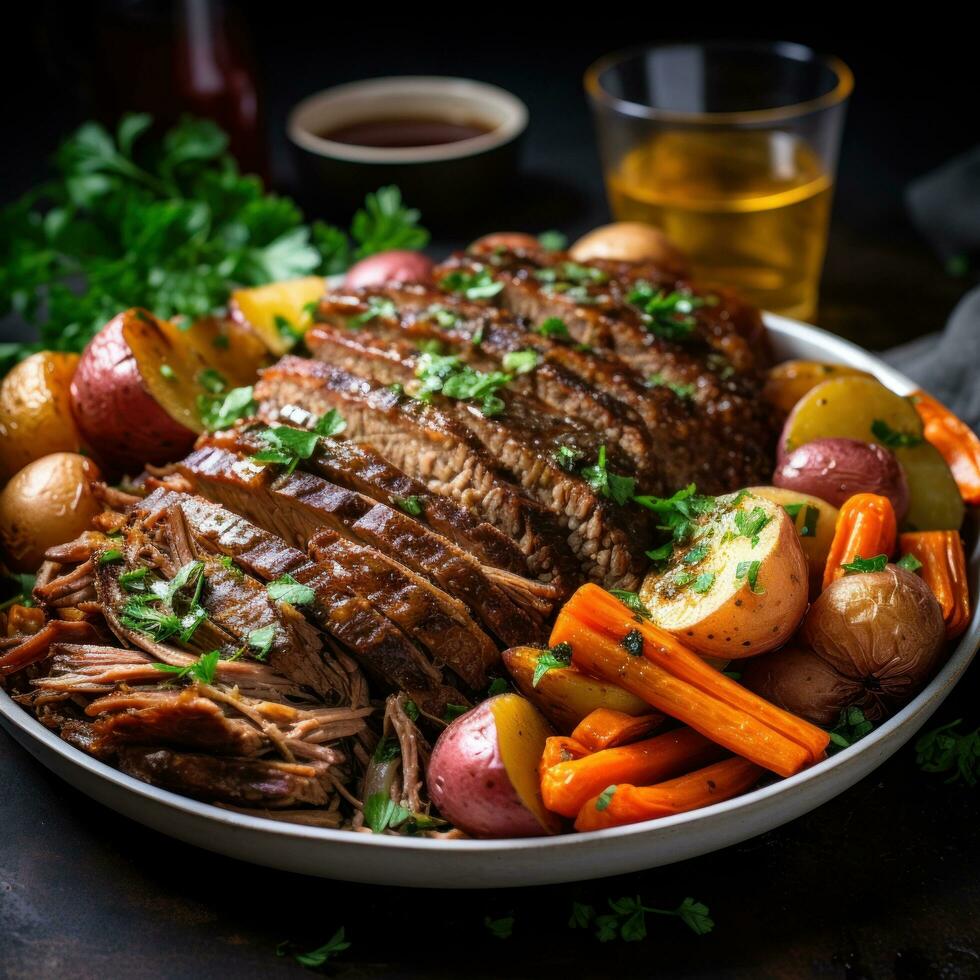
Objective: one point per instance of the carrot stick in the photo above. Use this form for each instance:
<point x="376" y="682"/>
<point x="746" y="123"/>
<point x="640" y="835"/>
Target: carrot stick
<point x="558" y="749"/>
<point x="605" y="728"/>
<point x="624" y="803"/>
<point x="957" y="443"/>
<point x="605" y="614"/>
<point x="865" y="528"/>
<point x="944" y="571"/>
<point x="567" y="786"/>
<point x="731" y="727"/>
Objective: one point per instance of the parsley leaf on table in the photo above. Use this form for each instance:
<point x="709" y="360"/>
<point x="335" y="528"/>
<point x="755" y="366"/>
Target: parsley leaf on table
<point x="946" y="750"/>
<point x="626" y="919"/>
<point x="318" y="957"/>
<point x="501" y="928"/>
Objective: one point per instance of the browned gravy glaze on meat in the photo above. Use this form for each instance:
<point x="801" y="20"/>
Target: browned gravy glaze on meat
<point x="405" y="131"/>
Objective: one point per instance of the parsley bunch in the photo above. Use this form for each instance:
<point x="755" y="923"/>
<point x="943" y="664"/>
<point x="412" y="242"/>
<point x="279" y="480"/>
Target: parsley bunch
<point x="947" y="750"/>
<point x="170" y="225"/>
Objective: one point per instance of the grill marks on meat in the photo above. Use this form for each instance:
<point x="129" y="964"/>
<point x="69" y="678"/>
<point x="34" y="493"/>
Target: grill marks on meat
<point x="722" y="360"/>
<point x="607" y="540"/>
<point x="381" y="646"/>
<point x="431" y="447"/>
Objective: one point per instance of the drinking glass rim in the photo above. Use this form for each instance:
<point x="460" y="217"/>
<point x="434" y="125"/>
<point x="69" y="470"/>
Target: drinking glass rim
<point x="789" y="49"/>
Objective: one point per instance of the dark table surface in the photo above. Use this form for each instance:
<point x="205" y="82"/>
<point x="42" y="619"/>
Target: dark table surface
<point x="882" y="881"/>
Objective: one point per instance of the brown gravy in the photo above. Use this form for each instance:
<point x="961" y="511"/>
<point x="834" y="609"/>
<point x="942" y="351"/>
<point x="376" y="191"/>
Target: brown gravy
<point x="405" y="131"/>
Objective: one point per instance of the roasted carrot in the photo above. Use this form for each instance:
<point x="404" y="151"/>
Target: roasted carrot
<point x="605" y="728"/>
<point x="733" y="728"/>
<point x="624" y="803"/>
<point x="865" y="528"/>
<point x="944" y="571"/>
<point x="558" y="749"/>
<point x="567" y="786"/>
<point x="957" y="443"/>
<point x="604" y="614"/>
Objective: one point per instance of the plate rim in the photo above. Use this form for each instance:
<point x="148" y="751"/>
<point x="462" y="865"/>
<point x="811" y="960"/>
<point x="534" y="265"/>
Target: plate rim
<point x="13" y="715"/>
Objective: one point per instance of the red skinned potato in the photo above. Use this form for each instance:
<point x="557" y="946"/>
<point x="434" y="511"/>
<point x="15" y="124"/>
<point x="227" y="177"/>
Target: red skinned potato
<point x="483" y="774"/>
<point x="836" y="469"/>
<point x="385" y="267"/>
<point x="124" y="375"/>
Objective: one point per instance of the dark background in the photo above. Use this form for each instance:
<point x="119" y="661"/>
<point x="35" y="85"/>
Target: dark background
<point x="880" y="882"/>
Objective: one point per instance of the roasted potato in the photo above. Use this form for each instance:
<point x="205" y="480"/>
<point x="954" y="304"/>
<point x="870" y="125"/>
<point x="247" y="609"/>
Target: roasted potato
<point x="865" y="410"/>
<point x="789" y="381"/>
<point x="483" y="774"/>
<point x="739" y="586"/>
<point x="815" y="521"/>
<point x="278" y="313"/>
<point x="130" y="394"/>
<point x="48" y="502"/>
<point x="35" y="411"/>
<point x="385" y="267"/>
<point x="629" y="241"/>
<point x="835" y="469"/>
<point x="505" y="239"/>
<point x="564" y="695"/>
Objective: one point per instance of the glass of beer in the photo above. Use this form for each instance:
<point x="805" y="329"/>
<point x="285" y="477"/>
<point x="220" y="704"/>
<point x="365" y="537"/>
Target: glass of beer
<point x="729" y="148"/>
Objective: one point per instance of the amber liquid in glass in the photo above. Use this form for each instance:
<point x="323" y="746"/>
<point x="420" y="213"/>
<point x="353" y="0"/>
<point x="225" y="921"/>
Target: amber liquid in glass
<point x="749" y="209"/>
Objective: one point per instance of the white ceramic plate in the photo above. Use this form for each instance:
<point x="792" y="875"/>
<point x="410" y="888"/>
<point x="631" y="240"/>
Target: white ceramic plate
<point x="486" y="864"/>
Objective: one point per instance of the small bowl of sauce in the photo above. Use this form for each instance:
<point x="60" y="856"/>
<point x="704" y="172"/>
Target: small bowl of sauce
<point x="441" y="140"/>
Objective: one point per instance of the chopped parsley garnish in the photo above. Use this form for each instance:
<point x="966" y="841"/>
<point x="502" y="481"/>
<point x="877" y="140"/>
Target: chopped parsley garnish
<point x="287" y="589"/>
<point x="381" y="812"/>
<point x="696" y="554"/>
<point x="810" y="518"/>
<point x="632" y="643"/>
<point x="287" y="446"/>
<point x="453" y="711"/>
<point x="221" y="411"/>
<point x="443" y="316"/>
<point x="910" y="563"/>
<point x="703" y="582"/>
<point x="560" y="655"/>
<point x="289" y="333"/>
<point x="521" y="361"/>
<point x="431" y="346"/>
<point x="554" y="326"/>
<point x="109" y="556"/>
<point x="553" y="241"/>
<point x="851" y="727"/>
<point x="605" y="797"/>
<point x="331" y="423"/>
<point x="679" y="513"/>
<point x="387" y="749"/>
<point x="571" y="272"/>
<point x="793" y="509"/>
<point x="261" y="640"/>
<point x="892" y="438"/>
<point x="134" y="580"/>
<point x="666" y="315"/>
<point x="449" y="376"/>
<point x="472" y="285"/>
<point x="661" y="554"/>
<point x="501" y="928"/>
<point x="318" y="957"/>
<point x="946" y="750"/>
<point x="410" y="505"/>
<point x="632" y="601"/>
<point x="618" y="489"/>
<point x="497" y="686"/>
<point x="750" y="524"/>
<point x="211" y="380"/>
<point x="681" y="390"/>
<point x="627" y="918"/>
<point x="412" y="710"/>
<point x="140" y="615"/>
<point x="378" y="307"/>
<point x="167" y="372"/>
<point x="875" y="564"/>
<point x="567" y="457"/>
<point x="204" y="669"/>
<point x="749" y="570"/>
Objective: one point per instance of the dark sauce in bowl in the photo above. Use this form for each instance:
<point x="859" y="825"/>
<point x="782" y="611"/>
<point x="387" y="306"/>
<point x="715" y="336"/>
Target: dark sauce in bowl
<point x="405" y="131"/>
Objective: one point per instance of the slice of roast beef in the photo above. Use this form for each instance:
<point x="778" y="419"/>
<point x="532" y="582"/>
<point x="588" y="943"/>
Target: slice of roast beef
<point x="378" y="644"/>
<point x="311" y="503"/>
<point x="241" y="782"/>
<point x="608" y="539"/>
<point x="431" y="448"/>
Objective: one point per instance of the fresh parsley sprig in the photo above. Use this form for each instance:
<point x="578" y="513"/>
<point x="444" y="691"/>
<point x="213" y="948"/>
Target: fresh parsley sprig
<point x="626" y="919"/>
<point x="946" y="750"/>
<point x="560" y="655"/>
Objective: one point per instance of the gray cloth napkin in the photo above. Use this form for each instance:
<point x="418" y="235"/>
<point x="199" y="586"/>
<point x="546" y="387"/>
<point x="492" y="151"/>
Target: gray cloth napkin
<point x="947" y="364"/>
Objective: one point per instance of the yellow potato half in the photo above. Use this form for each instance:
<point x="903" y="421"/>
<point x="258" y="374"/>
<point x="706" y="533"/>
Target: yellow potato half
<point x="739" y="586"/>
